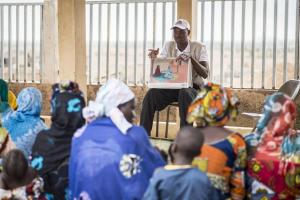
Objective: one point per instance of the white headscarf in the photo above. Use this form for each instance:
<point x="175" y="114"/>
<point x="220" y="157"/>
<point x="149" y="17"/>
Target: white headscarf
<point x="109" y="97"/>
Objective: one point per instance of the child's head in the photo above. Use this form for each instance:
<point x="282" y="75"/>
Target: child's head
<point x="187" y="145"/>
<point x="16" y="170"/>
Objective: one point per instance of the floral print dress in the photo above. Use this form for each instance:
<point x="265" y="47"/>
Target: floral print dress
<point x="225" y="164"/>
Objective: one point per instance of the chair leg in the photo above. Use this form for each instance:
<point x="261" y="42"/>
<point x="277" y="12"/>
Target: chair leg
<point x="167" y="122"/>
<point x="157" y="123"/>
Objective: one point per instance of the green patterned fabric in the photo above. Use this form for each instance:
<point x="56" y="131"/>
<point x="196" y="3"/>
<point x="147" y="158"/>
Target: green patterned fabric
<point x="3" y="96"/>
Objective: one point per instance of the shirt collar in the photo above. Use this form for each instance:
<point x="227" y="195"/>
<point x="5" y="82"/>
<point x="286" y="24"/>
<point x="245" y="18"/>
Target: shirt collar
<point x="174" y="167"/>
<point x="186" y="50"/>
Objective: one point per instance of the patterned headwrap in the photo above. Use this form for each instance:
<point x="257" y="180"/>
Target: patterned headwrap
<point x="279" y="112"/>
<point x="29" y="103"/>
<point x="276" y="121"/>
<point x="213" y="106"/>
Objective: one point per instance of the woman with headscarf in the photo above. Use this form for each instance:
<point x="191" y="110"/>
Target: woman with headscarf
<point x="51" y="150"/>
<point x="223" y="155"/>
<point x="6" y="143"/>
<point x="111" y="158"/>
<point x="274" y="147"/>
<point x="25" y="123"/>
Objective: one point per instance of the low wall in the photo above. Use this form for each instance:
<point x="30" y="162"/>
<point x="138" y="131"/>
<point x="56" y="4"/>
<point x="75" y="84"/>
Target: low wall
<point x="251" y="100"/>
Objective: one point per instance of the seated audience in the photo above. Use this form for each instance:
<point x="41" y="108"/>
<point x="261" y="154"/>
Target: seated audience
<point x="51" y="150"/>
<point x="223" y="155"/>
<point x="7" y="101"/>
<point x="111" y="158"/>
<point x="25" y="123"/>
<point x="181" y="180"/>
<point x="274" y="149"/>
<point x="16" y="175"/>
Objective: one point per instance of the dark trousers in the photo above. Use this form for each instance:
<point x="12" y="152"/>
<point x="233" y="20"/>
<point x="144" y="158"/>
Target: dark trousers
<point x="159" y="99"/>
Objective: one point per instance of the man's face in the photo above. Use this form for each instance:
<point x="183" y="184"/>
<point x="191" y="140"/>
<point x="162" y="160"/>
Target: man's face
<point x="180" y="36"/>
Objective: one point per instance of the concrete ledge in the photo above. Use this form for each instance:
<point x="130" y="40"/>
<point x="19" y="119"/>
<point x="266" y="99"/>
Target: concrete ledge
<point x="251" y="101"/>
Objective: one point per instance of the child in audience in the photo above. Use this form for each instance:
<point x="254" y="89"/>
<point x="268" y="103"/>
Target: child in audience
<point x="180" y="180"/>
<point x="16" y="175"/>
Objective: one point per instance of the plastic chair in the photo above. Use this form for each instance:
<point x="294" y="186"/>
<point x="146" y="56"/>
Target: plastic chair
<point x="167" y="121"/>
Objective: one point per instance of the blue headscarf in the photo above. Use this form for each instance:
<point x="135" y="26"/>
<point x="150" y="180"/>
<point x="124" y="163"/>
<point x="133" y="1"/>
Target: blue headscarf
<point x="29" y="103"/>
<point x="24" y="124"/>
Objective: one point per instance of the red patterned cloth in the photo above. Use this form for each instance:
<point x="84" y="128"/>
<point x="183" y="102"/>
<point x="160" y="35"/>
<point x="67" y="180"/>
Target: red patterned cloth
<point x="268" y="169"/>
<point x="273" y="164"/>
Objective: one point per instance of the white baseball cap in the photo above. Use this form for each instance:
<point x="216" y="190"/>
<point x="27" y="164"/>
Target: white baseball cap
<point x="182" y="24"/>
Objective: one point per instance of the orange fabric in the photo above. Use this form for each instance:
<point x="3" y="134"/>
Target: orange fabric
<point x="237" y="141"/>
<point x="239" y="147"/>
<point x="214" y="160"/>
<point x="216" y="163"/>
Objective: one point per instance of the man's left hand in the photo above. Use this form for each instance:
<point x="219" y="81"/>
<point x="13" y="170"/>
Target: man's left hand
<point x="182" y="57"/>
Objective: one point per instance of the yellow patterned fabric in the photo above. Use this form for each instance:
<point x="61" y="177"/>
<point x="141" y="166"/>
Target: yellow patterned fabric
<point x="213" y="106"/>
<point x="3" y="139"/>
<point x="12" y="100"/>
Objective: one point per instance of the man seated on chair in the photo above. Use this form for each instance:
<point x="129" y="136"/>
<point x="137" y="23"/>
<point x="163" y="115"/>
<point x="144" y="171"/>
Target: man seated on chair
<point x="181" y="48"/>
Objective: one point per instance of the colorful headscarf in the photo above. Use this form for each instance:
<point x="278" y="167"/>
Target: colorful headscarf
<point x="12" y="100"/>
<point x="213" y="106"/>
<point x="276" y="121"/>
<point x="3" y="96"/>
<point x="24" y="124"/>
<point x="109" y="97"/>
<point x="278" y="112"/>
<point x="29" y="102"/>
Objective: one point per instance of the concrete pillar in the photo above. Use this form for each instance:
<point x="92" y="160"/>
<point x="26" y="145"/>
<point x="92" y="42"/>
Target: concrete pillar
<point x="187" y="9"/>
<point x="50" y="43"/>
<point x="71" y="41"/>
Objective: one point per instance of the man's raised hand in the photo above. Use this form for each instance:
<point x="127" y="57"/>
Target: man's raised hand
<point x="153" y="53"/>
